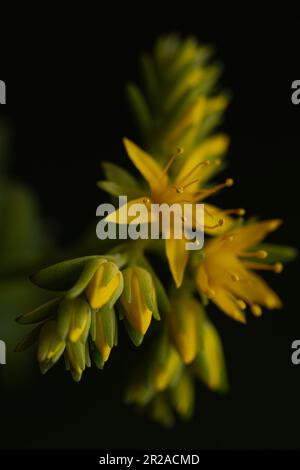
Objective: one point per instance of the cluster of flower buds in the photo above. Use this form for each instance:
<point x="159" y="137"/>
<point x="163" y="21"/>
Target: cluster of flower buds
<point x="81" y="323"/>
<point x="188" y="347"/>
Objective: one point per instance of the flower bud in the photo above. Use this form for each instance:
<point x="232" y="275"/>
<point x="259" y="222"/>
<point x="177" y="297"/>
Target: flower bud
<point x="166" y="370"/>
<point x="105" y="287"/>
<point x="184" y="318"/>
<point x="73" y="320"/>
<point x="50" y="346"/>
<point x="183" y="395"/>
<point x="76" y="357"/>
<point x="138" y="298"/>
<point x="105" y="332"/>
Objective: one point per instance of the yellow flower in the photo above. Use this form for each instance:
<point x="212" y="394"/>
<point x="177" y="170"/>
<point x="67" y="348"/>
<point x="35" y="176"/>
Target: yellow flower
<point x="226" y="275"/>
<point x="105" y="287"/>
<point x="184" y="188"/>
<point x="138" y="298"/>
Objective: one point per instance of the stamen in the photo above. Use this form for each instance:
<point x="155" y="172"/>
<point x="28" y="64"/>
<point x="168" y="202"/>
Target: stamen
<point x="235" y="277"/>
<point x="256" y="310"/>
<point x="276" y="268"/>
<point x="241" y="304"/>
<point x="207" y="192"/>
<point x="178" y="152"/>
<point x="239" y="212"/>
<point x="260" y="254"/>
<point x="204" y="164"/>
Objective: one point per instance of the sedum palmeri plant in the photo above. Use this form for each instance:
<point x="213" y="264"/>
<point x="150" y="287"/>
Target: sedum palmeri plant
<point x="178" y="109"/>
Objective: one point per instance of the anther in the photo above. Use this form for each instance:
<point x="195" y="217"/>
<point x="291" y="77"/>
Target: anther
<point x="260" y="254"/>
<point x="239" y="212"/>
<point x="241" y="304"/>
<point x="278" y="267"/>
<point x="256" y="310"/>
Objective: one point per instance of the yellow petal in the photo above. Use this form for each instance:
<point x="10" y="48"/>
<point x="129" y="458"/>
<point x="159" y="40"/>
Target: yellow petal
<point x="136" y="311"/>
<point x="212" y="215"/>
<point x="252" y="234"/>
<point x="256" y="291"/>
<point x="226" y="302"/>
<point x="77" y="330"/>
<point x="99" y="294"/>
<point x="177" y="257"/>
<point x="146" y="165"/>
<point x="123" y="215"/>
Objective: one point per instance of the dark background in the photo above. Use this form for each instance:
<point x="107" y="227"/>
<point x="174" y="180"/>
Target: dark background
<point x="65" y="94"/>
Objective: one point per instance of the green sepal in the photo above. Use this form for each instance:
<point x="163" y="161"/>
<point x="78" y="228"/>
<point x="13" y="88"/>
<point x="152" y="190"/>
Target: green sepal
<point x="93" y="325"/>
<point x="41" y="313"/>
<point x="135" y="336"/>
<point x="97" y="357"/>
<point x="85" y="277"/>
<point x="28" y="340"/>
<point x="61" y="276"/>
<point x="163" y="302"/>
<point x="87" y="355"/>
<point x="109" y="323"/>
<point x="116" y="189"/>
<point x="147" y="287"/>
<point x="76" y="376"/>
<point x="76" y="354"/>
<point x="127" y="276"/>
<point x="70" y="311"/>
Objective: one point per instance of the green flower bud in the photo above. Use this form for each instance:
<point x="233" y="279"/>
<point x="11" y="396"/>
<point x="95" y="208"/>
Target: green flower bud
<point x="50" y="346"/>
<point x="73" y="320"/>
<point x="138" y="299"/>
<point x="185" y="324"/>
<point x="105" y="287"/>
<point x="105" y="336"/>
<point x="183" y="395"/>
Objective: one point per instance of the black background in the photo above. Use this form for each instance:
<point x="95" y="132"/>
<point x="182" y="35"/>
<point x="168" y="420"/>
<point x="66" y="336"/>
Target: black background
<point x="65" y="94"/>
